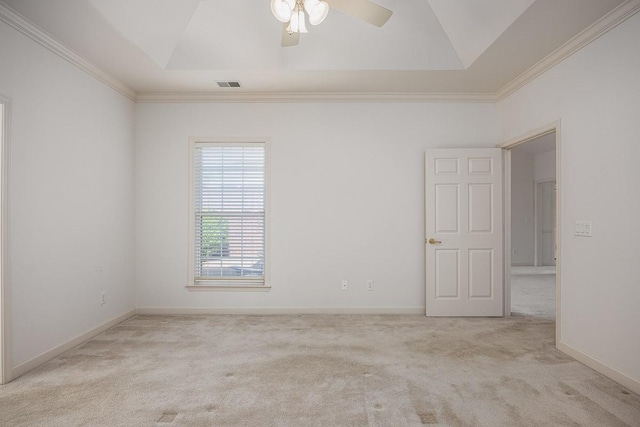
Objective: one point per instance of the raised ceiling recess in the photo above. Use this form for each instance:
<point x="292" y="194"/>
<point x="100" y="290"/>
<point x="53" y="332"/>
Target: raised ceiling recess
<point x="466" y="47"/>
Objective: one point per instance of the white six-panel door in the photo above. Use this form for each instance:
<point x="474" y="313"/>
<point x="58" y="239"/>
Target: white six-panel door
<point x="464" y="232"/>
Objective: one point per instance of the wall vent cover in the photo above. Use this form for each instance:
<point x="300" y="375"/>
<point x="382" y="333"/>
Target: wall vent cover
<point x="229" y="84"/>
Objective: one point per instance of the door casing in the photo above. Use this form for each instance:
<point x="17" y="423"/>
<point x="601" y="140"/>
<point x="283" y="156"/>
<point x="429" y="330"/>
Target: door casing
<point x="5" y="314"/>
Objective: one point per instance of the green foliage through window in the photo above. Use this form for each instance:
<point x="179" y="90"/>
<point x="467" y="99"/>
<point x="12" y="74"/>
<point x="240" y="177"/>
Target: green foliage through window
<point x="215" y="236"/>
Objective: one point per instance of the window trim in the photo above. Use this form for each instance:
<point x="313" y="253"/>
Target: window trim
<point x="225" y="285"/>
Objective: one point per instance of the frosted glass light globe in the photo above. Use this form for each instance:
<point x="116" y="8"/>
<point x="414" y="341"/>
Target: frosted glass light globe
<point x="317" y="10"/>
<point x="282" y="9"/>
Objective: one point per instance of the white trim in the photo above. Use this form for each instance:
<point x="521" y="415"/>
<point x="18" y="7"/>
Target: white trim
<point x="316" y="97"/>
<point x="33" y="363"/>
<point x="190" y="220"/>
<point x="559" y="204"/>
<point x="5" y="288"/>
<point x="526" y="137"/>
<point x="589" y="34"/>
<point x="267" y="213"/>
<point x="22" y="25"/>
<point x="240" y="141"/>
<point x="601" y="367"/>
<point x="228" y="288"/>
<point x="232" y="142"/>
<point x="165" y="311"/>
<point x="506" y="232"/>
<point x="424" y="224"/>
<point x="509" y="144"/>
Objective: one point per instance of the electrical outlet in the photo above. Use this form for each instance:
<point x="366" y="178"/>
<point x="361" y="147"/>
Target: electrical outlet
<point x="370" y="285"/>
<point x="103" y="298"/>
<point x="345" y="285"/>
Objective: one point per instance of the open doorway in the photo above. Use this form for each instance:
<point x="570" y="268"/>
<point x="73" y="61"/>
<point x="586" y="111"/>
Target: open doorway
<point x="534" y="228"/>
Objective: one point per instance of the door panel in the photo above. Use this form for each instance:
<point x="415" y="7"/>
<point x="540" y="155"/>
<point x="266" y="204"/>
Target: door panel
<point x="480" y="274"/>
<point x="480" y="208"/>
<point x="446" y="166"/>
<point x="447" y="208"/>
<point x="463" y="194"/>
<point x="447" y="273"/>
<point x="481" y="166"/>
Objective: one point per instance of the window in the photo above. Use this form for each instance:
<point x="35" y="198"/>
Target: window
<point x="228" y="214"/>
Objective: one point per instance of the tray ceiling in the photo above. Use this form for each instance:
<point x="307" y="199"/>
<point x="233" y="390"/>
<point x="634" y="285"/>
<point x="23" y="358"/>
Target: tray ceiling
<point x="436" y="46"/>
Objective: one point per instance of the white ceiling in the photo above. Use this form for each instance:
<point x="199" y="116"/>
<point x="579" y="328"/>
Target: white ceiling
<point x="213" y="41"/>
<point x="472" y="26"/>
<point x="428" y="46"/>
<point x="155" y="26"/>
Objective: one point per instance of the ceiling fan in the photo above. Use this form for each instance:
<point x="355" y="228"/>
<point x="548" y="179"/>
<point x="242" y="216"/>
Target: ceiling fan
<point x="292" y="14"/>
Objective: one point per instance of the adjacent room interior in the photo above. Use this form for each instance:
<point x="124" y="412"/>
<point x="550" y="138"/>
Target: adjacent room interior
<point x="334" y="213"/>
<point x="533" y="227"/>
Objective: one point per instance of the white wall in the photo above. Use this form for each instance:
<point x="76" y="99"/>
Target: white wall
<point x="71" y="197"/>
<point x="544" y="166"/>
<point x="595" y="93"/>
<point x="522" y="207"/>
<point x="347" y="198"/>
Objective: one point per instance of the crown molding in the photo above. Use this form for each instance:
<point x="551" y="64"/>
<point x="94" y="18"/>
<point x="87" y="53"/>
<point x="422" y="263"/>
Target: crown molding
<point x="315" y="97"/>
<point x="597" y="29"/>
<point x="21" y="24"/>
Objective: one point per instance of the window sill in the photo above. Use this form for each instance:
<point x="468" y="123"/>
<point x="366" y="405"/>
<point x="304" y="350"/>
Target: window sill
<point x="228" y="288"/>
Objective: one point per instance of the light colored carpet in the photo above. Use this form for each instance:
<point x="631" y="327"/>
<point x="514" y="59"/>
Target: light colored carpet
<point x="525" y="269"/>
<point x="533" y="295"/>
<point x="318" y="370"/>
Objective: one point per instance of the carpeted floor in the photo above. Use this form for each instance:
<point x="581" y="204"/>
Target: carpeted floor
<point x="318" y="370"/>
<point x="533" y="292"/>
<point x="518" y="270"/>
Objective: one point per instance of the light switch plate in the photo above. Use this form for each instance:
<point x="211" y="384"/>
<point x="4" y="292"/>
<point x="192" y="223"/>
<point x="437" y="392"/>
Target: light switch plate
<point x="583" y="228"/>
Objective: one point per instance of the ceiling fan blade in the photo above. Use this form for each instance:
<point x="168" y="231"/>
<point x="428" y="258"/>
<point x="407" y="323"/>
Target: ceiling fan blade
<point x="362" y="9"/>
<point x="289" y="40"/>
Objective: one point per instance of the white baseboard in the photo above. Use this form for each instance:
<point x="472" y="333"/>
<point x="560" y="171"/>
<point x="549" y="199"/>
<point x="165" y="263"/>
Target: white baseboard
<point x="274" y="311"/>
<point x="601" y="367"/>
<point x="33" y="363"/>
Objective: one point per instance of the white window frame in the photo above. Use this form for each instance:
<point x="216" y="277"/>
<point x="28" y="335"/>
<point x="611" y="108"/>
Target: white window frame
<point x="225" y="286"/>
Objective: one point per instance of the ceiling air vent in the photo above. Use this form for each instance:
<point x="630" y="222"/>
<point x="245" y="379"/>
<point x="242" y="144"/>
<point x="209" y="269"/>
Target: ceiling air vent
<point x="229" y="84"/>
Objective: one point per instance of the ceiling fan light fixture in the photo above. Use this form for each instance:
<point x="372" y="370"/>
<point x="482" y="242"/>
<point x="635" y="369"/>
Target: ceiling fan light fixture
<point x="317" y="10"/>
<point x="283" y="9"/>
<point x="297" y="23"/>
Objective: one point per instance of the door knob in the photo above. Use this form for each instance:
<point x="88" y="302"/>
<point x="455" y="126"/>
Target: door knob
<point x="433" y="241"/>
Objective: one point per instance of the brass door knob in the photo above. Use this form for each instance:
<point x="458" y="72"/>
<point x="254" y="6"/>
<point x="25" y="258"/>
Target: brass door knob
<point x="433" y="241"/>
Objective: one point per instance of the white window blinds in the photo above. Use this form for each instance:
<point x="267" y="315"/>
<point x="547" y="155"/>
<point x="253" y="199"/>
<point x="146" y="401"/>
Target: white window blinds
<point x="229" y="213"/>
